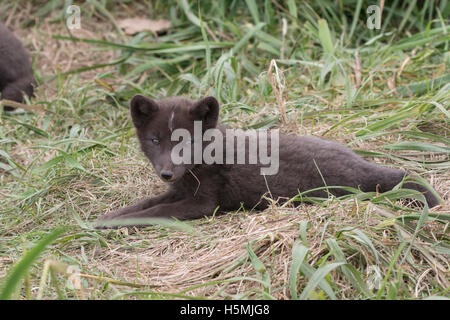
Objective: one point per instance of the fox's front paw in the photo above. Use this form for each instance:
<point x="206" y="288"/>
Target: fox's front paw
<point x="105" y="221"/>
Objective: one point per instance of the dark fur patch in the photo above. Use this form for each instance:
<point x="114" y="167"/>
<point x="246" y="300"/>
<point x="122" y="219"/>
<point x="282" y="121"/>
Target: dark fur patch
<point x="16" y="76"/>
<point x="206" y="110"/>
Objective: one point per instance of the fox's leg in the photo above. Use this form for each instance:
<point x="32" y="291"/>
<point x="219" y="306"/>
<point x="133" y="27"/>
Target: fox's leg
<point x="14" y="91"/>
<point x="168" y="196"/>
<point x="183" y="209"/>
<point x="11" y="92"/>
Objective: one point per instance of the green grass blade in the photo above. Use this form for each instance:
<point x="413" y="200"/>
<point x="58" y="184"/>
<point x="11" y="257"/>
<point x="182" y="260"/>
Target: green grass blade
<point x="417" y="146"/>
<point x="325" y="37"/>
<point x="250" y="33"/>
<point x="18" y="271"/>
<point x="352" y="274"/>
<point x="259" y="267"/>
<point x="299" y="253"/>
<point x="318" y="276"/>
<point x="391" y="266"/>
<point x="189" y="14"/>
<point x="355" y="18"/>
<point x="253" y="8"/>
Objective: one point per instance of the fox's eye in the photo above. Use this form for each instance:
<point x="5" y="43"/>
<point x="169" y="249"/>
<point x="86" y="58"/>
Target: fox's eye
<point x="155" y="141"/>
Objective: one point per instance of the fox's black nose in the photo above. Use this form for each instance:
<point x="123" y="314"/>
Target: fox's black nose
<point x="166" y="175"/>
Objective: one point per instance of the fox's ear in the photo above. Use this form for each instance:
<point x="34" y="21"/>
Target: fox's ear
<point x="142" y="109"/>
<point x="206" y="110"/>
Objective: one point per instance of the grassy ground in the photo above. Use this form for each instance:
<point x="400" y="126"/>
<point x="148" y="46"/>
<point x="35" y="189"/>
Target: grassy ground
<point x="304" y="67"/>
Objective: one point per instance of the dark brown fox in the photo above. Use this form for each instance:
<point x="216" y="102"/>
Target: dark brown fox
<point x="16" y="75"/>
<point x="197" y="190"/>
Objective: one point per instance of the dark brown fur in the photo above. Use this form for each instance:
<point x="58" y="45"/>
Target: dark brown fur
<point x="16" y="76"/>
<point x="197" y="190"/>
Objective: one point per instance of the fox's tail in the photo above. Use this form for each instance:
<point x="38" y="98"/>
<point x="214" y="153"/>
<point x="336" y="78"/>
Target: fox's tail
<point x="387" y="178"/>
<point x="432" y="201"/>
